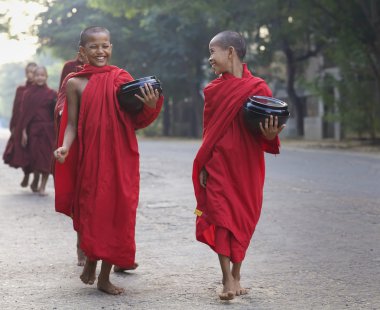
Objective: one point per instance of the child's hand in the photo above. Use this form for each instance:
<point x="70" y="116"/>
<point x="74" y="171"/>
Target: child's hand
<point x="203" y="177"/>
<point x="60" y="154"/>
<point x="24" y="138"/>
<point x="150" y="95"/>
<point x="270" y="129"/>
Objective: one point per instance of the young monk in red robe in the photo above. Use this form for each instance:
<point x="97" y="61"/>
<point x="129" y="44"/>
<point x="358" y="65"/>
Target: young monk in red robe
<point x="228" y="171"/>
<point x="69" y="68"/>
<point x="98" y="181"/>
<point x="15" y="155"/>
<point x="38" y="127"/>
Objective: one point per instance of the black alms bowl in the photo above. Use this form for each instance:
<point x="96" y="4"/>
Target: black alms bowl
<point x="126" y="95"/>
<point x="257" y="108"/>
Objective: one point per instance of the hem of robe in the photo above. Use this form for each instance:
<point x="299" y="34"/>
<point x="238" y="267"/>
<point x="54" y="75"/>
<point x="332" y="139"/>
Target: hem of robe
<point x="123" y="263"/>
<point x="205" y="233"/>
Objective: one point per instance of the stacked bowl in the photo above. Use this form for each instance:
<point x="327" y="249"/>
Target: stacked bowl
<point x="258" y="108"/>
<point x="126" y="95"/>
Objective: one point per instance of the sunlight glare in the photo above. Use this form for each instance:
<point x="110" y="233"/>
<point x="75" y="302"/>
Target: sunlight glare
<point x="22" y="16"/>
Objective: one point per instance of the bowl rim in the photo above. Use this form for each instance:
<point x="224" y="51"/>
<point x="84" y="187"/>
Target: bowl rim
<point x="143" y="79"/>
<point x="279" y="103"/>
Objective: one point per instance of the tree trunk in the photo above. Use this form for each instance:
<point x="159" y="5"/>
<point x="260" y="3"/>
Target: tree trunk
<point x="166" y="118"/>
<point x="291" y="67"/>
<point x="197" y="103"/>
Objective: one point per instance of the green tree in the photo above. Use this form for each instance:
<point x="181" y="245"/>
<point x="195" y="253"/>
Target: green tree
<point x="353" y="33"/>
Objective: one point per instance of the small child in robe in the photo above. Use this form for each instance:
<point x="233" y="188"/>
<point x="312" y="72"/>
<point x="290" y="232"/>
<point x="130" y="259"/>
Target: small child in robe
<point x="15" y="155"/>
<point x="38" y="126"/>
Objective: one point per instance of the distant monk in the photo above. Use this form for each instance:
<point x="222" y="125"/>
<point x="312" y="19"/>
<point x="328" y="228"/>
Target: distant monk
<point x="38" y="126"/>
<point x="68" y="69"/>
<point x="15" y="155"/>
<point x="70" y="66"/>
<point x="73" y="65"/>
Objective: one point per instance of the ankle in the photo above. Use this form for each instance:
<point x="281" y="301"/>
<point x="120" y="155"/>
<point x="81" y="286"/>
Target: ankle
<point x="103" y="278"/>
<point x="228" y="278"/>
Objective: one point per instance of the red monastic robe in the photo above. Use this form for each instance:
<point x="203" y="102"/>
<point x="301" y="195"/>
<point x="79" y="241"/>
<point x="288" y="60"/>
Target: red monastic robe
<point x="37" y="118"/>
<point x="98" y="185"/>
<point x="70" y="66"/>
<point x="73" y="65"/>
<point x="15" y="155"/>
<point x="234" y="160"/>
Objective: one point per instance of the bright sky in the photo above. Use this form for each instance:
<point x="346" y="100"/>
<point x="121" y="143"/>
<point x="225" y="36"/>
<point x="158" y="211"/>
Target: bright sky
<point x="22" y="18"/>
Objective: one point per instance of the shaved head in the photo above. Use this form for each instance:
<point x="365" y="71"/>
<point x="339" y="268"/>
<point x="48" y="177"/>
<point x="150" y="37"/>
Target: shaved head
<point x="229" y="38"/>
<point x="86" y="33"/>
<point x="40" y="68"/>
<point x="31" y="64"/>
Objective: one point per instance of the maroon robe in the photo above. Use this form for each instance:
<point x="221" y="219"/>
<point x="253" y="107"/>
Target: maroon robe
<point x="230" y="205"/>
<point x="98" y="184"/>
<point x="70" y="66"/>
<point x="39" y="102"/>
<point x="15" y="155"/>
<point x="73" y="65"/>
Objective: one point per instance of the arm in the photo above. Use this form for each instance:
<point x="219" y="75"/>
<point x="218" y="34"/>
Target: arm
<point x="203" y="175"/>
<point x="73" y="100"/>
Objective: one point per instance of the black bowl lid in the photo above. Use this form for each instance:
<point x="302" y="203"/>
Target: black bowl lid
<point x="270" y="102"/>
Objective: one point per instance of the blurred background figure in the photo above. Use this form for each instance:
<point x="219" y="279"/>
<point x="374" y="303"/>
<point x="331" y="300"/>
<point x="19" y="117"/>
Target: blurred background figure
<point x="38" y="126"/>
<point x="72" y="65"/>
<point x="15" y="155"/>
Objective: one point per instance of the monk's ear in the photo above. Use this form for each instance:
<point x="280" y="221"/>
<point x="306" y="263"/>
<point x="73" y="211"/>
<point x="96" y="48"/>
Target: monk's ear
<point x="82" y="51"/>
<point x="231" y="51"/>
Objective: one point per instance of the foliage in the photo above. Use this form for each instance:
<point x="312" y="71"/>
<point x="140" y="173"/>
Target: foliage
<point x="170" y="39"/>
<point x="355" y="49"/>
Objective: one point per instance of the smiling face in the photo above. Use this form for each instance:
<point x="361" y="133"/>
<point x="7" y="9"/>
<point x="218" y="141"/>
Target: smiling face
<point x="97" y="50"/>
<point x="40" y="76"/>
<point x="220" y="58"/>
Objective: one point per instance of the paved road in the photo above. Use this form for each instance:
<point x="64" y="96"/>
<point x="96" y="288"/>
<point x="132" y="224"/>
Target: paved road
<point x="317" y="245"/>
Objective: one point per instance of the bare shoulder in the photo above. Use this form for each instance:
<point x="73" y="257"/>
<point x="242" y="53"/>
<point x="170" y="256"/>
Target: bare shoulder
<point x="76" y="85"/>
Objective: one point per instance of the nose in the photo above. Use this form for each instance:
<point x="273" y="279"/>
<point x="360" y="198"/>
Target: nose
<point x="99" y="50"/>
<point x="210" y="59"/>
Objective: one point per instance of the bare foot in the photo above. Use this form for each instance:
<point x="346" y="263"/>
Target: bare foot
<point x="88" y="275"/>
<point x="120" y="269"/>
<point x="107" y="287"/>
<point x="34" y="187"/>
<point x="81" y="257"/>
<point x="229" y="290"/>
<point x="34" y="184"/>
<point x="25" y="180"/>
<point x="240" y="290"/>
<point x="42" y="193"/>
